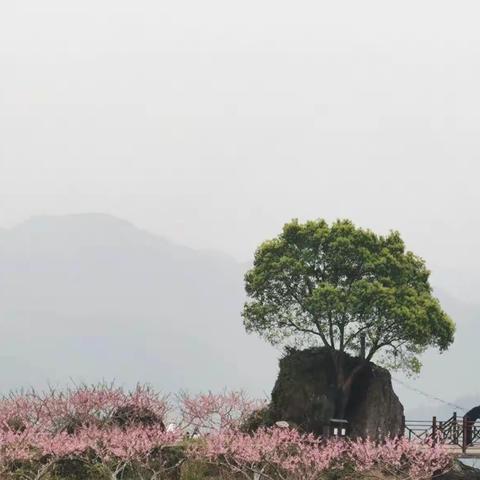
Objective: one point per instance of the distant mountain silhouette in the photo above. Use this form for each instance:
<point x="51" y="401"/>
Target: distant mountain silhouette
<point x="92" y="297"/>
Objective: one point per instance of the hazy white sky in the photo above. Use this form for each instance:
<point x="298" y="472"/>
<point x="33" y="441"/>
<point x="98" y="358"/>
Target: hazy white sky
<point x="214" y="122"/>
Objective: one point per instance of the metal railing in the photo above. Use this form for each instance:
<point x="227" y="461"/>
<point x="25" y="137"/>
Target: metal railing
<point x="458" y="431"/>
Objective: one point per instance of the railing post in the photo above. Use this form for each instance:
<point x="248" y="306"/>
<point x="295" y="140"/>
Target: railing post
<point x="464" y="434"/>
<point x="434" y="430"/>
<point x="402" y="428"/>
<point x="455" y="428"/>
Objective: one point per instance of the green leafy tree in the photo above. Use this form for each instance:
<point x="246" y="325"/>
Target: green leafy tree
<point x="350" y="290"/>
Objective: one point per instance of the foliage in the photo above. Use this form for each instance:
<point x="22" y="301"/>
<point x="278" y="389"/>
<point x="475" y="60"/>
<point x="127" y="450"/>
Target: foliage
<point x="334" y="284"/>
<point x="261" y="417"/>
<point x="278" y="453"/>
<point x="207" y="412"/>
<point x="101" y="449"/>
<point x="66" y="411"/>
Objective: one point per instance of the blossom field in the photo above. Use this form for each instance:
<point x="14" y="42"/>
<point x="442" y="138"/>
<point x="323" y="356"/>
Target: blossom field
<point x="104" y="432"/>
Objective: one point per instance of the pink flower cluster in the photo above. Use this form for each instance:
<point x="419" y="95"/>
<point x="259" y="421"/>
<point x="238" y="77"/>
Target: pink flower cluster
<point x="277" y="453"/>
<point x="418" y="459"/>
<point x="103" y="423"/>
<point x="208" y="412"/>
<point x="58" y="411"/>
<point x="92" y="424"/>
<point x="113" y="448"/>
<point x="273" y="453"/>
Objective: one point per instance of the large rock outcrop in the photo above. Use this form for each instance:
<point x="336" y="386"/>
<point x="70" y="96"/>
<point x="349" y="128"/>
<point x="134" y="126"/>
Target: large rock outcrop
<point x="304" y="395"/>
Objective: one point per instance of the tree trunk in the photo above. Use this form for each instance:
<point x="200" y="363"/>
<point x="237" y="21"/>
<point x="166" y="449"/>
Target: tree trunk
<point x="341" y="396"/>
<point x="344" y="383"/>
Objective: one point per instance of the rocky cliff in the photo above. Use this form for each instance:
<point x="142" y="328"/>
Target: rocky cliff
<point x="304" y="395"/>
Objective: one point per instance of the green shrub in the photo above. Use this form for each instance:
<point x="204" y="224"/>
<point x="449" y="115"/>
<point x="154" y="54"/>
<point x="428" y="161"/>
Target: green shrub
<point x="198" y="470"/>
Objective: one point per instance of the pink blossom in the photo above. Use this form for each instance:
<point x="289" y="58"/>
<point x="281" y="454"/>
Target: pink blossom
<point x="34" y="431"/>
<point x="208" y="411"/>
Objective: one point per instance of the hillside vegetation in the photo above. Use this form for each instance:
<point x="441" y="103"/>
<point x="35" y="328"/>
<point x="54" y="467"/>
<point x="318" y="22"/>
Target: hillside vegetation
<point x="103" y="432"/>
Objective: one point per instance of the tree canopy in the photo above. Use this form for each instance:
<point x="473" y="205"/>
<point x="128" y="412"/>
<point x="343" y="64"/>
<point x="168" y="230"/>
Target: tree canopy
<point x="339" y="286"/>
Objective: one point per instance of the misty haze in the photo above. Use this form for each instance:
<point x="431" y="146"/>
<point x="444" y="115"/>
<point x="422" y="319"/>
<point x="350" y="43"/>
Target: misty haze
<point x="148" y="149"/>
<point x="92" y="297"/>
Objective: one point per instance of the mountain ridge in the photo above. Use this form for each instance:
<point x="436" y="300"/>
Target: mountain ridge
<point x="76" y="291"/>
<point x="93" y="297"/>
